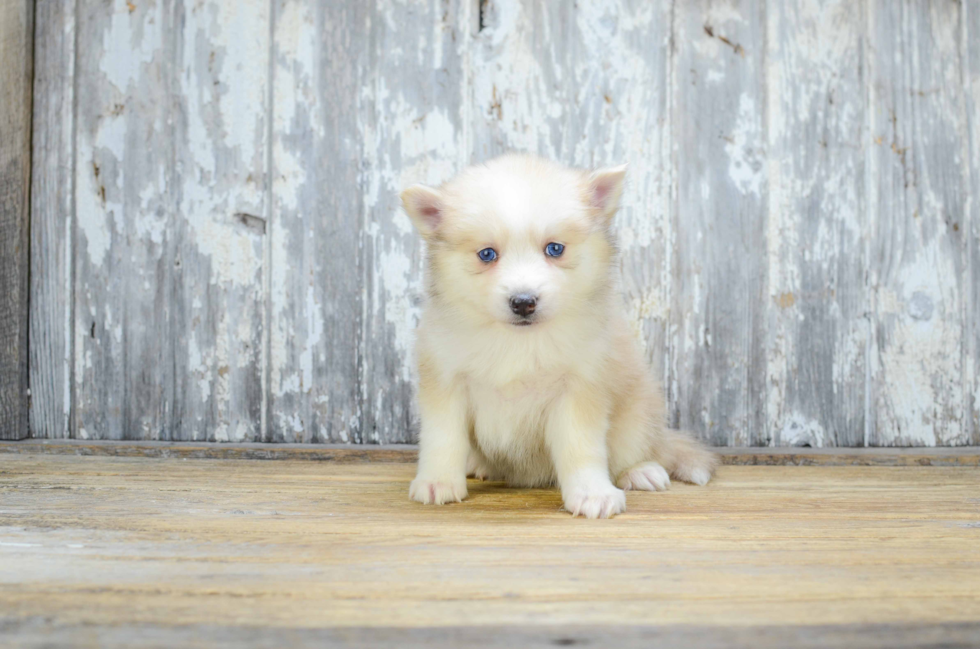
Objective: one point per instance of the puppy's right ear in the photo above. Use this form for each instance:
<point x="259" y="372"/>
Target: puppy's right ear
<point x="425" y="207"/>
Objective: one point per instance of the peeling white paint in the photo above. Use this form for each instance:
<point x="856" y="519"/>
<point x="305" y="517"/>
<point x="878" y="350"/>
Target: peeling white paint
<point x="399" y="310"/>
<point x="921" y="352"/>
<point x="799" y="430"/>
<point x="291" y="383"/>
<point x="314" y="328"/>
<point x="90" y="214"/>
<point x="198" y="368"/>
<point x="745" y="166"/>
<point x="235" y="258"/>
<point x="128" y="46"/>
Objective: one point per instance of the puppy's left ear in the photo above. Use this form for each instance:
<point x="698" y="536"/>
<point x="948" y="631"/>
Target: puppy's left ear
<point x="605" y="187"/>
<point x="425" y="207"/>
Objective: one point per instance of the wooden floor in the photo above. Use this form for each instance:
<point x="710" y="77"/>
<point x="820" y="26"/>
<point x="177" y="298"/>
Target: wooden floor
<point x="123" y="551"/>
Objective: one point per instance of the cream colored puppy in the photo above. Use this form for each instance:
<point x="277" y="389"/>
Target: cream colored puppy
<point x="528" y="369"/>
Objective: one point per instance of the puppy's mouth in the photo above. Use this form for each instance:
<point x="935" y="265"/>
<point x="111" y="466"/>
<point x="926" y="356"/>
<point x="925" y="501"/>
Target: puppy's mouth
<point x="522" y="323"/>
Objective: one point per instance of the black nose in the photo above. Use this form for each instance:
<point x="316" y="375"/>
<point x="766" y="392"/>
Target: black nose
<point x="523" y="304"/>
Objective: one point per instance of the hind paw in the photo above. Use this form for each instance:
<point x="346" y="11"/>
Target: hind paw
<point x="698" y="475"/>
<point x="477" y="467"/>
<point x="648" y="476"/>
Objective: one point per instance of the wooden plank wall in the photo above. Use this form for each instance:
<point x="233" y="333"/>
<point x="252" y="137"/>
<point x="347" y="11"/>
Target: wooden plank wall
<point x="52" y="221"/>
<point x="219" y="253"/>
<point x="16" y="60"/>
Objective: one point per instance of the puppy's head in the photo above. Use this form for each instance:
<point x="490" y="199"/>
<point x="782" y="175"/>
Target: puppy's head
<point x="518" y="241"/>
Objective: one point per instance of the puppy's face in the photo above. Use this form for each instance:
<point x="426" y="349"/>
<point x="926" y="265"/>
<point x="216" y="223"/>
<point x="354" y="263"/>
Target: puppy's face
<point x="519" y="241"/>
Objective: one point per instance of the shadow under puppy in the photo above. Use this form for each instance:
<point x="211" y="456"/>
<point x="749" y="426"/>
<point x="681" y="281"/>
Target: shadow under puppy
<point x="528" y="369"/>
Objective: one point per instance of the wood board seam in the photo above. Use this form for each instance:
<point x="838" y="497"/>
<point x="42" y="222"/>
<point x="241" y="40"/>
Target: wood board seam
<point x="967" y="456"/>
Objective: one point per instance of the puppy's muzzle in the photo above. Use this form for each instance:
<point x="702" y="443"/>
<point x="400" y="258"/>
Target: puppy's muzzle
<point x="523" y="304"/>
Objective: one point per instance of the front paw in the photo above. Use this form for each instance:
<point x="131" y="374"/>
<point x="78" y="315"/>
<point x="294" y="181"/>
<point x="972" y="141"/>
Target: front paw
<point x="595" y="500"/>
<point x="437" y="491"/>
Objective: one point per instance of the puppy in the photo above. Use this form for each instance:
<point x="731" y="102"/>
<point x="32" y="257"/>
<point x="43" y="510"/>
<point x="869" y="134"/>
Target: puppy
<point x="528" y="369"/>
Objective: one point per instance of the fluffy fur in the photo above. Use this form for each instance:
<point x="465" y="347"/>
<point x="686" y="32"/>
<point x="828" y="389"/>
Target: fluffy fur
<point x="560" y="395"/>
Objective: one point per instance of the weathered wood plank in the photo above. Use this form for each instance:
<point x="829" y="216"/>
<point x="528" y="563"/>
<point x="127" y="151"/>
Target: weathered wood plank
<point x="52" y="223"/>
<point x="919" y="261"/>
<point x="587" y="84"/>
<point x="719" y="296"/>
<point x="170" y="203"/>
<point x="221" y="94"/>
<point x="16" y="74"/>
<point x="125" y="204"/>
<point x="970" y="46"/>
<point x="362" y="108"/>
<point x="316" y="299"/>
<point x="627" y="122"/>
<point x="817" y="329"/>
<point x="410" y="111"/>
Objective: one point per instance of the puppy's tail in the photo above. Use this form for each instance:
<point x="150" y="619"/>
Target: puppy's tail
<point x="688" y="459"/>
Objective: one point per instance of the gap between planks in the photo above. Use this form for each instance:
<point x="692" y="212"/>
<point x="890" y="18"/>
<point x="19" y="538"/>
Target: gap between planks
<point x="965" y="456"/>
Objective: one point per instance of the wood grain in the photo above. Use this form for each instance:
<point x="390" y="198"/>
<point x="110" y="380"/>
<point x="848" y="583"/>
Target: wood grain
<point x="170" y="203"/>
<point x="52" y="236"/>
<point x="315" y="300"/>
<point x="970" y="46"/>
<point x="817" y="330"/>
<point x="16" y="74"/>
<point x="410" y="112"/>
<point x="125" y="211"/>
<point x="719" y="302"/>
<point x="919" y="267"/>
<point x="109" y="542"/>
<point x="221" y="91"/>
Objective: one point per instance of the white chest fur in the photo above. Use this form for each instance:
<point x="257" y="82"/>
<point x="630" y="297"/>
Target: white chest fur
<point x="513" y="380"/>
<point x="509" y="426"/>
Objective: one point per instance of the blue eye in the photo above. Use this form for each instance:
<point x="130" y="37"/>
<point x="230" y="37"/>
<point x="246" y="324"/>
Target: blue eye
<point x="554" y="249"/>
<point x="487" y="255"/>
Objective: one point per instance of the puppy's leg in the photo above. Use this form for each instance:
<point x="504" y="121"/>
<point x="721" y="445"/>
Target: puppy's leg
<point x="644" y="454"/>
<point x="679" y="456"/>
<point x="576" y="434"/>
<point x="632" y="433"/>
<point x="444" y="444"/>
<point x="686" y="458"/>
